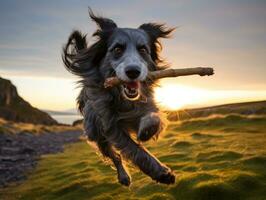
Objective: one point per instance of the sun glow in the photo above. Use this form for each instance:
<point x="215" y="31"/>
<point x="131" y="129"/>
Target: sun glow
<point x="173" y="96"/>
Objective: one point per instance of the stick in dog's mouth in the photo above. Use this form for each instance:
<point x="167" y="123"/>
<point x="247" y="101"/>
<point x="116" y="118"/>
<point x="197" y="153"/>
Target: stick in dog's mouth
<point x="131" y="90"/>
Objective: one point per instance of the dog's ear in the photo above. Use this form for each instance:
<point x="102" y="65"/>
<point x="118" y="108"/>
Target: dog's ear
<point x="80" y="59"/>
<point x="156" y="31"/>
<point x="106" y="26"/>
<point x="76" y="44"/>
<point x="103" y="23"/>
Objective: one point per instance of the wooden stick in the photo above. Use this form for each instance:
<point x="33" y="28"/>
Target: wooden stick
<point x="167" y="73"/>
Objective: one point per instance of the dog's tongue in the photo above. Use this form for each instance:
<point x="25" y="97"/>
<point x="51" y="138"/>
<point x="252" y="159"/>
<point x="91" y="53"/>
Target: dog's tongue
<point x="133" y="84"/>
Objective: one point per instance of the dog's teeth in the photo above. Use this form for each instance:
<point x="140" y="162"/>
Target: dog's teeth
<point x="127" y="91"/>
<point x="131" y="93"/>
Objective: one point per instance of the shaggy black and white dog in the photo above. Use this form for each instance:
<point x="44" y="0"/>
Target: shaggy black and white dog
<point x="111" y="115"/>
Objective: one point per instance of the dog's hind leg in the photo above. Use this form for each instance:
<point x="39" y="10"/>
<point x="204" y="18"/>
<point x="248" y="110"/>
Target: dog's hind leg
<point x="93" y="129"/>
<point x="107" y="150"/>
<point x="146" y="162"/>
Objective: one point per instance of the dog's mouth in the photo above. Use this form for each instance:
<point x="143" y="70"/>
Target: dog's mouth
<point x="131" y="90"/>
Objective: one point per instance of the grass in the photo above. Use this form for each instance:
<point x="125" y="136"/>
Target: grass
<point x="220" y="157"/>
<point x="16" y="127"/>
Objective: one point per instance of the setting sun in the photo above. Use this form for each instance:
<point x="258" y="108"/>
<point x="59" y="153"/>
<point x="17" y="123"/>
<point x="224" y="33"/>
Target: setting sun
<point x="173" y="96"/>
<point x="170" y="96"/>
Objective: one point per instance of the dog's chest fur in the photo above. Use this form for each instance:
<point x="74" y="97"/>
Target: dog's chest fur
<point x="126" y="113"/>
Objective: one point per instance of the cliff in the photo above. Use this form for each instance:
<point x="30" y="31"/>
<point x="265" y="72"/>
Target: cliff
<point x="15" y="108"/>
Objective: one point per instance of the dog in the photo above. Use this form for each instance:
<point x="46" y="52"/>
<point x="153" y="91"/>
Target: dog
<point x="112" y="116"/>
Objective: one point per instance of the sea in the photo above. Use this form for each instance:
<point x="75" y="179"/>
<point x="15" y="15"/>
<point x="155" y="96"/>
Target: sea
<point x="66" y="119"/>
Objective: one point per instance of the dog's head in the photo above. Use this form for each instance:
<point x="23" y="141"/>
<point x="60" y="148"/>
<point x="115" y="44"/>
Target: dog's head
<point x="126" y="53"/>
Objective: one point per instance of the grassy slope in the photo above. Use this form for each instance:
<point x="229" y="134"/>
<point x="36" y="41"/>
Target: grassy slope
<point x="10" y="127"/>
<point x="246" y="108"/>
<point x="222" y="157"/>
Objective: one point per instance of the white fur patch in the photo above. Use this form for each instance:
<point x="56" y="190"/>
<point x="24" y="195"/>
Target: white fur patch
<point x="153" y="119"/>
<point x="131" y="60"/>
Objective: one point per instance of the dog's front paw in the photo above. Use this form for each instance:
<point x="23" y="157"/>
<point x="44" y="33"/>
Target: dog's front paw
<point x="124" y="178"/>
<point x="150" y="125"/>
<point x="166" y="177"/>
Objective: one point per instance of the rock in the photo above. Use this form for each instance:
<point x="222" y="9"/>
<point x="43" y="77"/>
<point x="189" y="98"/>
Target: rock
<point x="77" y="122"/>
<point x="11" y="158"/>
<point x="27" y="150"/>
<point x="9" y="150"/>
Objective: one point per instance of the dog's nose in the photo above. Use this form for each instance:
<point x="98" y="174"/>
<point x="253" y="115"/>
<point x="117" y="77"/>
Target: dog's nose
<point x="132" y="71"/>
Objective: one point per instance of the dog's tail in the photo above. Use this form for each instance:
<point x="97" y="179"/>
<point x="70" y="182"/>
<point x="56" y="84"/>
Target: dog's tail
<point x="76" y="45"/>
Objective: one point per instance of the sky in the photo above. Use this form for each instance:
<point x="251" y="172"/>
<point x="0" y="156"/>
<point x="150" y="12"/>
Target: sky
<point x="229" y="36"/>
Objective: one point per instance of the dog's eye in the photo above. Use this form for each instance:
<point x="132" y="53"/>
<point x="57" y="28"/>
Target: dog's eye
<point x="142" y="50"/>
<point x="118" y="50"/>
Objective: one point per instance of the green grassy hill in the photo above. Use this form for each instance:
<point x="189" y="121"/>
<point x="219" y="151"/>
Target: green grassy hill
<point x="218" y="157"/>
<point x="246" y="108"/>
